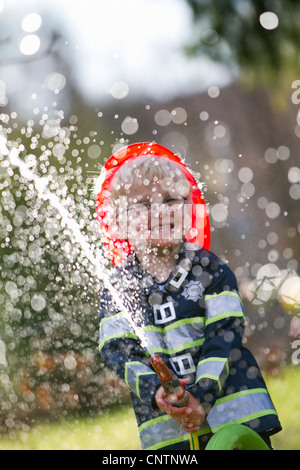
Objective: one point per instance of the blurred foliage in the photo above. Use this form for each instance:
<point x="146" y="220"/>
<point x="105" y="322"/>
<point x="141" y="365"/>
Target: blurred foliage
<point x="103" y="432"/>
<point x="230" y="32"/>
<point x="49" y="295"/>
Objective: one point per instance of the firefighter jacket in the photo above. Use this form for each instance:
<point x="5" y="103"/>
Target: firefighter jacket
<point x="195" y="322"/>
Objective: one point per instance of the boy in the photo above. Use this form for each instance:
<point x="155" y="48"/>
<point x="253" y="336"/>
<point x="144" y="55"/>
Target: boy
<point x="183" y="298"/>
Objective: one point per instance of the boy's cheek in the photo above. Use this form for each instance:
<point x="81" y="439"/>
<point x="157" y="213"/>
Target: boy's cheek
<point x="138" y="230"/>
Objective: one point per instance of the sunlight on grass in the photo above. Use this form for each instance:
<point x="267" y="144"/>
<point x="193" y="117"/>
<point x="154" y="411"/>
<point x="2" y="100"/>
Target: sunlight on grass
<point x="284" y="391"/>
<point x="117" y="429"/>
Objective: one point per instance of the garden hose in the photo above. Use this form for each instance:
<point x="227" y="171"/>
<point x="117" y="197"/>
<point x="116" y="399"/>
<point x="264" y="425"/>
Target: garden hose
<point x="230" y="437"/>
<point x="194" y="441"/>
<point x="173" y="386"/>
<point x="236" y="437"/>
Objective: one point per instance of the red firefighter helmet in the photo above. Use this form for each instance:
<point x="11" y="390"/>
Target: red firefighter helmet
<point x="118" y="249"/>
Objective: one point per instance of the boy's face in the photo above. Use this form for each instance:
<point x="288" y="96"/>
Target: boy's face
<point x="158" y="214"/>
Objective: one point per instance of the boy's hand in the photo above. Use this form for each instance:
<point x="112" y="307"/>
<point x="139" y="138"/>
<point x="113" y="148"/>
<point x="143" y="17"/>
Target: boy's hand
<point x="190" y="416"/>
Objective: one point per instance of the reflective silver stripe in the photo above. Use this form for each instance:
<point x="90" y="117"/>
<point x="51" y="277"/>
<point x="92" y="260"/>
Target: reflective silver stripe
<point x="133" y="371"/>
<point x="115" y="326"/>
<point x="171" y="339"/>
<point x="215" y="368"/>
<point x="176" y="337"/>
<point x="163" y="431"/>
<point x="240" y="407"/>
<point x="225" y="304"/>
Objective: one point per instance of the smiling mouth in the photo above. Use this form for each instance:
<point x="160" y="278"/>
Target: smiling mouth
<point x="163" y="231"/>
<point x="163" y="228"/>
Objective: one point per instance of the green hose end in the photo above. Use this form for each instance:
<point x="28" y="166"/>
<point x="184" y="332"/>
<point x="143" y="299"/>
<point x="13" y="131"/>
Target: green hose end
<point x="236" y="437"/>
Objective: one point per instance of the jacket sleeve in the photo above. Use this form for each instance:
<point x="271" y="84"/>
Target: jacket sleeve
<point x="121" y="350"/>
<point x="224" y="328"/>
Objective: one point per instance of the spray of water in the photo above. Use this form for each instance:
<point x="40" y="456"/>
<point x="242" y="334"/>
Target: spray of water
<point x="95" y="260"/>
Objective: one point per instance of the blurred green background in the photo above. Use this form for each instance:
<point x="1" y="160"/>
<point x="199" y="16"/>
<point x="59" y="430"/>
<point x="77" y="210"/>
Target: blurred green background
<point x="216" y="82"/>
<point x="116" y="428"/>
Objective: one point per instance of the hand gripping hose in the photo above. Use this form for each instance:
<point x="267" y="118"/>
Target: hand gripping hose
<point x="231" y="437"/>
<point x="173" y="386"/>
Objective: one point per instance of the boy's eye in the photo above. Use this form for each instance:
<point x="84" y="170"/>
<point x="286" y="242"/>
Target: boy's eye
<point x="140" y="206"/>
<point x="173" y="200"/>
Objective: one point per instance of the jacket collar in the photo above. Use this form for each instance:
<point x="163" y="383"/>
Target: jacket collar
<point x="175" y="281"/>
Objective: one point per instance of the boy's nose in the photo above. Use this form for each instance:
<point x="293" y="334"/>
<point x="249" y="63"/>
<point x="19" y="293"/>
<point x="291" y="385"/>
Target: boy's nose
<point x="160" y="209"/>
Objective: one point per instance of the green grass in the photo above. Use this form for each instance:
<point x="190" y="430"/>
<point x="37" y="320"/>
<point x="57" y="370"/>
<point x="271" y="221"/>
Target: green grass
<point x="117" y="429"/>
<point x="285" y="393"/>
<point x="114" y="430"/>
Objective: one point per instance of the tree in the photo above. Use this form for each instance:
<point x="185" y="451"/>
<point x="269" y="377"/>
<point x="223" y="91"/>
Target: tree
<point x="261" y="37"/>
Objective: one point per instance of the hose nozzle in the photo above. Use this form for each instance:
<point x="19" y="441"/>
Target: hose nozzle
<point x="169" y="382"/>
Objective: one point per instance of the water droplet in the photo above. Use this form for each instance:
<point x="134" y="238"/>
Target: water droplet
<point x="273" y="210"/>
<point x="294" y="174"/>
<point x="178" y="115"/>
<point x="55" y="81"/>
<point x="30" y="44"/>
<point x="204" y="115"/>
<point x="119" y="90"/>
<point x="38" y="302"/>
<point x="213" y="92"/>
<point x="130" y="125"/>
<point x="295" y="191"/>
<point x="162" y="117"/>
<point x="219" y="212"/>
<point x="70" y="362"/>
<point x="269" y="20"/>
<point x="94" y="151"/>
<point x="31" y="22"/>
<point x="245" y="175"/>
<point x="209" y="36"/>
